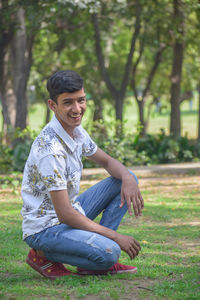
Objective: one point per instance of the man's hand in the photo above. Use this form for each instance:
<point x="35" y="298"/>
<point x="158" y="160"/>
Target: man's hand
<point x="128" y="244"/>
<point x="129" y="190"/>
<point x="131" y="194"/>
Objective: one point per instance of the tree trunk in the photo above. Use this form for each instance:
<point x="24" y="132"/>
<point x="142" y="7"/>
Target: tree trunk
<point x="199" y="114"/>
<point x="11" y="103"/>
<point x="3" y="90"/>
<point x="141" y="100"/>
<point x="175" y="118"/>
<point x="119" y="107"/>
<point x="8" y="99"/>
<point x="6" y="37"/>
<point x="98" y="110"/>
<point x="20" y="70"/>
<point x="178" y="54"/>
<point x="141" y="117"/>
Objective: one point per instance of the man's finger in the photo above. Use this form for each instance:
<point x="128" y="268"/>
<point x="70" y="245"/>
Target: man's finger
<point x="137" y="244"/>
<point x="134" y="252"/>
<point x="141" y="200"/>
<point x="128" y="201"/>
<point x="122" y="200"/>
<point x="137" y="248"/>
<point x="135" y="207"/>
<point x="139" y="206"/>
<point x="131" y="253"/>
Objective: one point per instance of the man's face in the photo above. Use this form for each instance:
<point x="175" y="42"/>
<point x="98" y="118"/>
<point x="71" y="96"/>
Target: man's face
<point x="69" y="109"/>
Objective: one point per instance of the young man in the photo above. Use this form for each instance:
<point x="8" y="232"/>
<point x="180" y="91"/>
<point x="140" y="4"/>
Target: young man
<point x="57" y="222"/>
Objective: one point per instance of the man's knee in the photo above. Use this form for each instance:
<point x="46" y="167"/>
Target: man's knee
<point x="111" y="255"/>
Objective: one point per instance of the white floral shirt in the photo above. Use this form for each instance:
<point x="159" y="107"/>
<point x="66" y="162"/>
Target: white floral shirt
<point x="54" y="163"/>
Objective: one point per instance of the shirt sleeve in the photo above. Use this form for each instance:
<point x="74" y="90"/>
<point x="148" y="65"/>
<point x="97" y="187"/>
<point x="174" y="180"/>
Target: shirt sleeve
<point x="53" y="172"/>
<point x="89" y="147"/>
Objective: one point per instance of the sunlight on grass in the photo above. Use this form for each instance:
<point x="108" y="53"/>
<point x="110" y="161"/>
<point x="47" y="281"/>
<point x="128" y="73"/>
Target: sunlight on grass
<point x="167" y="265"/>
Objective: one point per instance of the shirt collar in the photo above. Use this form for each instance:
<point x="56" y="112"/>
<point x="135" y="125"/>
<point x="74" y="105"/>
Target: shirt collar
<point x="71" y="144"/>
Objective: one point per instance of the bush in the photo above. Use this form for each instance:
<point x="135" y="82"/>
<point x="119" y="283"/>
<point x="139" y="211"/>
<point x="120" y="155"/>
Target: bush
<point x="6" y="159"/>
<point x="14" y="156"/>
<point x="151" y="149"/>
<point x="129" y="149"/>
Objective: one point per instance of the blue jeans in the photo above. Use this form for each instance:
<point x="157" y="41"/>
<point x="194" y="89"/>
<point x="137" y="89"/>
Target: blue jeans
<point x="89" y="250"/>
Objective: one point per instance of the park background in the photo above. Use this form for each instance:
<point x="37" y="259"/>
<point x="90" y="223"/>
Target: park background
<point x="140" y="63"/>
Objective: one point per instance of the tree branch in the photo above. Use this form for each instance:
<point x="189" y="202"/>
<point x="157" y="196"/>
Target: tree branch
<point x="135" y="68"/>
<point x="157" y="61"/>
<point x="128" y="65"/>
<point x="100" y="56"/>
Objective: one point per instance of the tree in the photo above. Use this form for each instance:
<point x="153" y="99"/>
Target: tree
<point x="118" y="94"/>
<point x="7" y="25"/>
<point x="178" y="55"/>
<point x="141" y="88"/>
<point x="16" y="59"/>
<point x="198" y="84"/>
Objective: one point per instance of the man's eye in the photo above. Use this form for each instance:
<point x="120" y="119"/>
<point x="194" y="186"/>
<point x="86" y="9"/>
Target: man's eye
<point x="82" y="100"/>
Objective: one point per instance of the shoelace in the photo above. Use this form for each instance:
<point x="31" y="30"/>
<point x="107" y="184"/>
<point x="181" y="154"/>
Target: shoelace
<point x="116" y="267"/>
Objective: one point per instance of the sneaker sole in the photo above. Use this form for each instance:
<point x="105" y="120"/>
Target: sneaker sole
<point x="111" y="273"/>
<point x="124" y="271"/>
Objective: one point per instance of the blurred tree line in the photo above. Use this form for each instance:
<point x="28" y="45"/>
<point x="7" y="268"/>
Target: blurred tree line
<point x="147" y="49"/>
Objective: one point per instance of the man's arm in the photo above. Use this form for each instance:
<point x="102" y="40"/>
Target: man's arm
<point x="68" y="215"/>
<point x="129" y="191"/>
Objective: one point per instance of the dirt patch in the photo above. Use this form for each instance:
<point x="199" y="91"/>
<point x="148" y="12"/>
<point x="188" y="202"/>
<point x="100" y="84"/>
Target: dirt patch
<point x="133" y="288"/>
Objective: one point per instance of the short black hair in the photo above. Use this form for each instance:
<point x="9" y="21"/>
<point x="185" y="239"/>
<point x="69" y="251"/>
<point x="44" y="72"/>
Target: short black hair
<point x="66" y="81"/>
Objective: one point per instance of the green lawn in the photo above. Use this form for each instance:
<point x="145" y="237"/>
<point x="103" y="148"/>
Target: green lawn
<point x="168" y="264"/>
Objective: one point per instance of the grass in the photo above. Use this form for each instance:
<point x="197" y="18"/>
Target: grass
<point x="168" y="264"/>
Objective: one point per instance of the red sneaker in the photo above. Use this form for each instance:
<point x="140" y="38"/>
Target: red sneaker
<point x="46" y="267"/>
<point x="115" y="269"/>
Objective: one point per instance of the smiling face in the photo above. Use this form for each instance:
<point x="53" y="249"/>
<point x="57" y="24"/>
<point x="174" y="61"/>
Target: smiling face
<point x="69" y="109"/>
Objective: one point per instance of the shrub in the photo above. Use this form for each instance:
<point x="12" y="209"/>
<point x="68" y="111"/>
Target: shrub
<point x="129" y="149"/>
<point x="151" y="149"/>
<point x="6" y="159"/>
<point x="14" y="155"/>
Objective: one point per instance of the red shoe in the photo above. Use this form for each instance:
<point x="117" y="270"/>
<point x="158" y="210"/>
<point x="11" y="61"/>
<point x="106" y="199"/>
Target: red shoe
<point x="116" y="269"/>
<point x="46" y="267"/>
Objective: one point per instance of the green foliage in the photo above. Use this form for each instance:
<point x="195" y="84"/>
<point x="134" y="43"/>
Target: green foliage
<point x="128" y="148"/>
<point x="6" y="159"/>
<point x="165" y="149"/>
<point x="22" y="141"/>
<point x="150" y="149"/>
<point x="11" y="182"/>
<point x="14" y="155"/>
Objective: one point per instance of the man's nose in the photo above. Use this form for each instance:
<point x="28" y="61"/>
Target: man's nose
<point x="76" y="107"/>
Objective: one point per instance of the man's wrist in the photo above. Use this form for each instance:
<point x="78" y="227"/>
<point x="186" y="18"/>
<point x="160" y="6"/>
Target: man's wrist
<point x="114" y="236"/>
<point x="126" y="175"/>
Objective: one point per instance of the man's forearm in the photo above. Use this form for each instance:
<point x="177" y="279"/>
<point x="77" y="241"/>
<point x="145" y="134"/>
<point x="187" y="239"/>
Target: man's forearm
<point x="76" y="220"/>
<point x="116" y="169"/>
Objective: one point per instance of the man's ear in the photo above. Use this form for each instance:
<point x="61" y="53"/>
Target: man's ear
<point x="52" y="105"/>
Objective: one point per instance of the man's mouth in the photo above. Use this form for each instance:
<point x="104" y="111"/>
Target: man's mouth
<point x="76" y="116"/>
